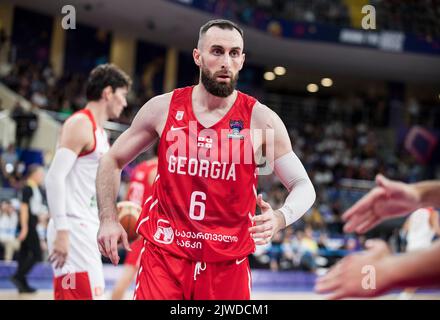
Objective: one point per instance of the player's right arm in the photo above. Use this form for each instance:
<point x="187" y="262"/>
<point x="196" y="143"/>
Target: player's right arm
<point x="141" y="135"/>
<point x="76" y="136"/>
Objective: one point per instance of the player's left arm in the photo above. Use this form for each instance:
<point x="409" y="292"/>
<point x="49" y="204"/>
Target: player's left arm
<point x="289" y="169"/>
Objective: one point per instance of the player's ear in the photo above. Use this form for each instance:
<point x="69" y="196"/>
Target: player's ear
<point x="107" y="93"/>
<point x="196" y="56"/>
<point x="242" y="60"/>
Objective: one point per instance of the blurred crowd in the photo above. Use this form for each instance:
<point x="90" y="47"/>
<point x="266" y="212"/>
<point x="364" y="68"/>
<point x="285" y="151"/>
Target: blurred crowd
<point x="12" y="169"/>
<point x="301" y="247"/>
<point x="414" y="16"/>
<point x="39" y="85"/>
<point x="253" y="12"/>
<point x="420" y="18"/>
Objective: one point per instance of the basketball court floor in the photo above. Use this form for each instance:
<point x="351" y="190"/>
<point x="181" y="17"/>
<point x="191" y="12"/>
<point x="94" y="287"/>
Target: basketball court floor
<point x="267" y="285"/>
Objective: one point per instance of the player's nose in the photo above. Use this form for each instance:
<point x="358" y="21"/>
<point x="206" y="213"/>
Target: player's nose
<point x="226" y="63"/>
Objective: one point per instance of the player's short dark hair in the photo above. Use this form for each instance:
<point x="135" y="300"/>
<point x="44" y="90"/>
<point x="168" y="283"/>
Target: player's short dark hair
<point x="103" y="76"/>
<point x="222" y="24"/>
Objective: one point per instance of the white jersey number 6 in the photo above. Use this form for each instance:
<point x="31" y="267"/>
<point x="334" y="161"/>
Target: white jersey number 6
<point x="194" y="203"/>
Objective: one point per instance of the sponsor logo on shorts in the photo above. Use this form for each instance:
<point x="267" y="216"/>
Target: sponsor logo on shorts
<point x="164" y="233"/>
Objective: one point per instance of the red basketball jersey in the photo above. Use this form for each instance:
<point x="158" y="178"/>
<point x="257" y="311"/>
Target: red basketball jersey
<point x="204" y="194"/>
<point x="140" y="189"/>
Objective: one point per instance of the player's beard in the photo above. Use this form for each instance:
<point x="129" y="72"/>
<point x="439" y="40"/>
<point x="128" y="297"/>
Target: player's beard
<point x="218" y="89"/>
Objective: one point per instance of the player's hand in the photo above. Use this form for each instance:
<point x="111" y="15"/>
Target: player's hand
<point x="110" y="233"/>
<point x="60" y="251"/>
<point x="387" y="200"/>
<point x="23" y="234"/>
<point x="358" y="275"/>
<point x="266" y="224"/>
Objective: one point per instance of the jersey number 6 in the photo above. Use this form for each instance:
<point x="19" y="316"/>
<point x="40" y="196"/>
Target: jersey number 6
<point x="194" y="203"/>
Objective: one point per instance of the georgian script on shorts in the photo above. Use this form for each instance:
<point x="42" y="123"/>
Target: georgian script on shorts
<point x="188" y="239"/>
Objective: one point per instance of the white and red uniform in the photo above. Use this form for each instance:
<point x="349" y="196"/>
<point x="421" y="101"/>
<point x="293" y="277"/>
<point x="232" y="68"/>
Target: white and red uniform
<point x="196" y="222"/>
<point x="83" y="266"/>
<point x="420" y="231"/>
<point x="138" y="192"/>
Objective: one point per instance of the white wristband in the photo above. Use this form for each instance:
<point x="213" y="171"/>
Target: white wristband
<point x="290" y="216"/>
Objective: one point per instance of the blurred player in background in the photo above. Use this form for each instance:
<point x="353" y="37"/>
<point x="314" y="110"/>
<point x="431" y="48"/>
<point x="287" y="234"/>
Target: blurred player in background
<point x="71" y="190"/>
<point x="30" y="208"/>
<point x="420" y="268"/>
<point x="420" y="228"/>
<point x="200" y="225"/>
<point x="139" y="190"/>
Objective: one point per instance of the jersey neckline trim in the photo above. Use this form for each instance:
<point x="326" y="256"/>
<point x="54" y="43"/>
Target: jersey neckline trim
<point x="221" y="120"/>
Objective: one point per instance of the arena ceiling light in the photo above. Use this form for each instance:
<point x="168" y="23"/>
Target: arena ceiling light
<point x="326" y="82"/>
<point x="269" y="76"/>
<point x="312" y="87"/>
<point x="279" y="71"/>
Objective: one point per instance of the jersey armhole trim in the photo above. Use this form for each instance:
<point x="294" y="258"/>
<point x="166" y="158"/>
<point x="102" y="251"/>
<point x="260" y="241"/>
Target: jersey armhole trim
<point x="89" y="114"/>
<point x="175" y="91"/>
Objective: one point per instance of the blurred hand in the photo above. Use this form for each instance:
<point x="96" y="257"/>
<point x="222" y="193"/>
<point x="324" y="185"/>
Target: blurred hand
<point x="388" y="199"/>
<point x="60" y="251"/>
<point x="346" y="278"/>
<point x="267" y="224"/>
<point x="23" y="234"/>
<point x="110" y="233"/>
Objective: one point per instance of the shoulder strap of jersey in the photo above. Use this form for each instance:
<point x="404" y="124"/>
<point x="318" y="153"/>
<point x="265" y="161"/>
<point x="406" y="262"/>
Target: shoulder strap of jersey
<point x="178" y="108"/>
<point x="181" y="97"/>
<point x="248" y="100"/>
<point x="89" y="114"/>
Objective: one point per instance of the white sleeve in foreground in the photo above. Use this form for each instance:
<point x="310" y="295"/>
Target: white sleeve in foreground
<point x="60" y="167"/>
<point x="293" y="176"/>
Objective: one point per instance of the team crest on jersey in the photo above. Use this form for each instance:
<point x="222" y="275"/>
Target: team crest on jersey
<point x="164" y="233"/>
<point x="179" y="115"/>
<point x="236" y="126"/>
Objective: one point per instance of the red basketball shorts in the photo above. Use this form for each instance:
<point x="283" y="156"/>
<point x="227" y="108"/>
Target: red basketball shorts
<point x="162" y="276"/>
<point x="133" y="256"/>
